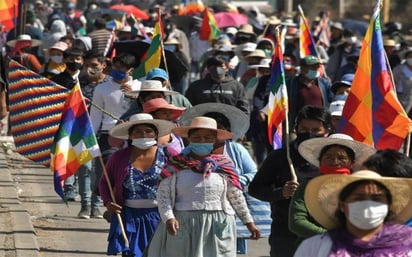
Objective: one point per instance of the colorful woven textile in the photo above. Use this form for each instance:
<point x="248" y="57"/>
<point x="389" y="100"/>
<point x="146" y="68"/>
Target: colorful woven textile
<point x="36" y="105"/>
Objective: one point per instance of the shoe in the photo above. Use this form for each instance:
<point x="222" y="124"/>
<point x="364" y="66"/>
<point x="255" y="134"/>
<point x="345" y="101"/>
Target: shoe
<point x="84" y="212"/>
<point x="107" y="216"/>
<point x="96" y="214"/>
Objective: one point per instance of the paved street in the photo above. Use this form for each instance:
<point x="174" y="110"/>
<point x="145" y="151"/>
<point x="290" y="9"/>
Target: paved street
<point x="35" y="222"/>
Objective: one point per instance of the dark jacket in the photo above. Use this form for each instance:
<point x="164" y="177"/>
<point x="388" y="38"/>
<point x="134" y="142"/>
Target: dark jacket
<point x="293" y="86"/>
<point x="229" y="91"/>
<point x="64" y="79"/>
<point x="271" y="177"/>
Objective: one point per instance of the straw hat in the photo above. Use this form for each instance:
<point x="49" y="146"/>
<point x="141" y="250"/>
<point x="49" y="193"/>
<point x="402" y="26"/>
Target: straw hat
<point x="239" y="121"/>
<point x="23" y="37"/>
<point x="310" y="149"/>
<point x="202" y="123"/>
<point x="160" y="103"/>
<point x="150" y="86"/>
<point x="173" y="41"/>
<point x="246" y="29"/>
<point x="322" y="192"/>
<point x="122" y="130"/>
<point x="259" y="53"/>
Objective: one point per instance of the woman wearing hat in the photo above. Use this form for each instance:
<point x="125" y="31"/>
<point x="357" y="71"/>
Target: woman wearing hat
<point x="20" y="51"/>
<point x="55" y="64"/>
<point x="360" y="212"/>
<point x="134" y="172"/>
<point x="231" y="119"/>
<point x="198" y="196"/>
<point x="336" y="154"/>
<point x="160" y="109"/>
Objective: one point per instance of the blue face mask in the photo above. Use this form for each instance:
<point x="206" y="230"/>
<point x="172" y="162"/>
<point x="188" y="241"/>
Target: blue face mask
<point x="170" y="48"/>
<point x="340" y="97"/>
<point x="118" y="75"/>
<point x="201" y="149"/>
<point x="312" y="74"/>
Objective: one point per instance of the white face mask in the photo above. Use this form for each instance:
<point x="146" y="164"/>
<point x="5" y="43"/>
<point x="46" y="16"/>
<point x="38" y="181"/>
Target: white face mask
<point x="144" y="143"/>
<point x="409" y="61"/>
<point x="367" y="214"/>
<point x="56" y="58"/>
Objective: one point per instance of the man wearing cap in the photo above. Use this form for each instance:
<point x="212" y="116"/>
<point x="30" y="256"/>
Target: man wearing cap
<point x="341" y="88"/>
<point x="218" y="86"/>
<point x="73" y="58"/>
<point x="308" y="88"/>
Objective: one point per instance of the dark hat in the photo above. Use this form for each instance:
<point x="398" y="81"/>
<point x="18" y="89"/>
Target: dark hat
<point x="100" y="23"/>
<point x="345" y="81"/>
<point x="77" y="51"/>
<point x="309" y="60"/>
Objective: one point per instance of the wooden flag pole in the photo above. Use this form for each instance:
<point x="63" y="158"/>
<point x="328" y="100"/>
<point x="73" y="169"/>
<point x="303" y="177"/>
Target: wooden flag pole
<point x="287" y="139"/>
<point x="105" y="112"/>
<point x="119" y="218"/>
<point x="292" y="168"/>
<point x="159" y="13"/>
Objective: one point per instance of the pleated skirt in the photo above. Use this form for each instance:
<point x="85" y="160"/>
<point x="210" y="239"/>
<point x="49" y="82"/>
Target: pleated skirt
<point x="140" y="225"/>
<point x="201" y="234"/>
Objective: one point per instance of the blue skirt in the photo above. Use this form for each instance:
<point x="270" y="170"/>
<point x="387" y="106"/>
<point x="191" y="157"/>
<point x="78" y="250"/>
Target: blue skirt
<point x="140" y="224"/>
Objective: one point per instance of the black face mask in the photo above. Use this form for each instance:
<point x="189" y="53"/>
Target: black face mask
<point x="74" y="66"/>
<point x="217" y="73"/>
<point x="300" y="137"/>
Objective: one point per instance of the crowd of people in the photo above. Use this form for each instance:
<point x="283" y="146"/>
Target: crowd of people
<point x="187" y="166"/>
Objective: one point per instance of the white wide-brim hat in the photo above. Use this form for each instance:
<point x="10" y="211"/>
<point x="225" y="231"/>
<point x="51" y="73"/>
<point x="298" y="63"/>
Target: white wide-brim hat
<point x="122" y="130"/>
<point x="322" y="196"/>
<point x="310" y="149"/>
<point x="202" y="123"/>
<point x="151" y="86"/>
<point x="23" y="37"/>
<point x="239" y="121"/>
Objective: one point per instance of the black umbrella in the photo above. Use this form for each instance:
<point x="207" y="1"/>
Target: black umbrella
<point x="186" y="22"/>
<point x="138" y="48"/>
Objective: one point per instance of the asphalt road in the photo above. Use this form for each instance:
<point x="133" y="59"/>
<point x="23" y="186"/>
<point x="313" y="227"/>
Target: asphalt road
<point x="57" y="230"/>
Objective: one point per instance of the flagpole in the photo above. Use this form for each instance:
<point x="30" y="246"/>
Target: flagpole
<point x="119" y="218"/>
<point x="159" y="13"/>
<point x="265" y="29"/>
<point x="105" y="112"/>
<point x="287" y="139"/>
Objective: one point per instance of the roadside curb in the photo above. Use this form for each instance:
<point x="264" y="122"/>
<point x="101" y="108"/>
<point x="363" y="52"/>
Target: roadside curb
<point x="25" y="242"/>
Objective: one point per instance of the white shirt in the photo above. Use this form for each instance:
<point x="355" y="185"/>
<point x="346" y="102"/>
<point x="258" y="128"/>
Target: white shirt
<point x="111" y="98"/>
<point x="187" y="190"/>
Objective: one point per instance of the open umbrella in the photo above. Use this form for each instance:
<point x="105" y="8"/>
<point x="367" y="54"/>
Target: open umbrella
<point x="138" y="48"/>
<point x="230" y="19"/>
<point x="131" y="9"/>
